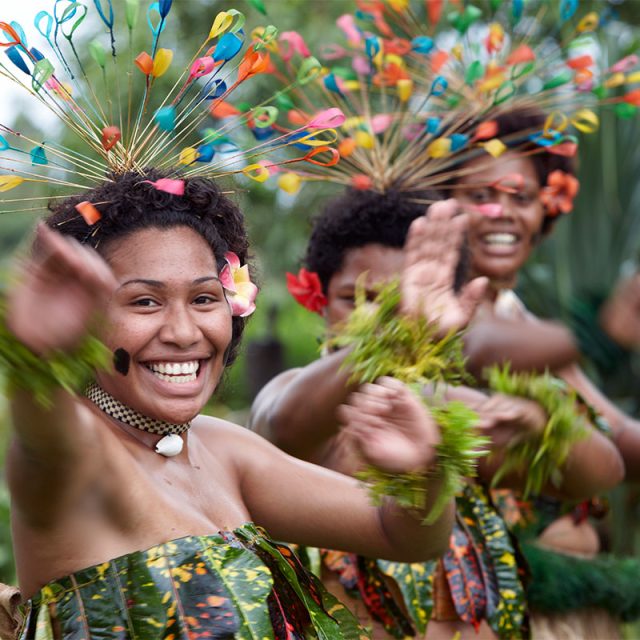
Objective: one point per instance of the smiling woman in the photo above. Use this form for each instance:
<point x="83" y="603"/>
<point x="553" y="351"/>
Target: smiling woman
<point x="97" y="512"/>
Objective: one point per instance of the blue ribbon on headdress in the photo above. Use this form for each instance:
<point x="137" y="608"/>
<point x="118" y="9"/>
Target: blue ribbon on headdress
<point x="228" y="46"/>
<point x="108" y="21"/>
<point x="15" y="56"/>
<point x="422" y="44"/>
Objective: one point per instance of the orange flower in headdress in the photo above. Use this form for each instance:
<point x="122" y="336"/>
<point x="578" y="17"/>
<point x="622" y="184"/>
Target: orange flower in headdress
<point x="557" y="197"/>
<point x="307" y="290"/>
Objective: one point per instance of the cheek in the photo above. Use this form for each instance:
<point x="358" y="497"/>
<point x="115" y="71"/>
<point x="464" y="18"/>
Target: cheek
<point x="337" y="311"/>
<point x="218" y="328"/>
<point x="120" y="330"/>
<point x="534" y="217"/>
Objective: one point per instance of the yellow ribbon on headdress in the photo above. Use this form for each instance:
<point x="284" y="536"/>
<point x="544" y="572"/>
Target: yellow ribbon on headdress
<point x="289" y="182"/>
<point x="405" y="89"/>
<point x="439" y="148"/>
<point x="161" y="62"/>
<point x="10" y="182"/>
<point x="312" y="140"/>
<point x="221" y="23"/>
<point x="364" y="140"/>
<point x="494" y="147"/>
<point x="188" y="155"/>
<point x="256" y="172"/>
<point x="585" y="121"/>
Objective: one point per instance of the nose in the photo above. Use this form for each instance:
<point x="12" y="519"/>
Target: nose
<point x="179" y="327"/>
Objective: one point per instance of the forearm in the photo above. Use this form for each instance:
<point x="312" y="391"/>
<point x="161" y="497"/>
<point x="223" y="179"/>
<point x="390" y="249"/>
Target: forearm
<point x="46" y="432"/>
<point x="625" y="430"/>
<point x="528" y="346"/>
<point x="593" y="466"/>
<point x="408" y="538"/>
<point x="300" y="416"/>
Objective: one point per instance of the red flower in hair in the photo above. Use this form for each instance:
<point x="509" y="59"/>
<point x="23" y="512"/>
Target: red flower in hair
<point x="307" y="290"/>
<point x="557" y="197"/>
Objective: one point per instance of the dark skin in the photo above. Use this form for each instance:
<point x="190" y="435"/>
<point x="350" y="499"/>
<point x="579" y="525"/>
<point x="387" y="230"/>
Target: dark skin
<point x="528" y="343"/>
<point x="306" y="424"/>
<point x="301" y="409"/>
<point x="87" y="488"/>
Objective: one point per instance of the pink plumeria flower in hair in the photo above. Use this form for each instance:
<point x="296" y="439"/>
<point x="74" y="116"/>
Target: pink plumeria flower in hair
<point x="241" y="292"/>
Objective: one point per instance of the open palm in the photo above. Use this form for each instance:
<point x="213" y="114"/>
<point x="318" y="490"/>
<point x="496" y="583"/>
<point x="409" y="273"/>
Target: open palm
<point x="57" y="293"/>
<point x="432" y="253"/>
<point x="390" y="427"/>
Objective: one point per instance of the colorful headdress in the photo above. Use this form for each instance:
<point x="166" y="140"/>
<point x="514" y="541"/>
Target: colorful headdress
<point x="133" y="117"/>
<point x="421" y="86"/>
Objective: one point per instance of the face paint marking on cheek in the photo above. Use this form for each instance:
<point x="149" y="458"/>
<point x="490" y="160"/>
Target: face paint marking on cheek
<point x="121" y="361"/>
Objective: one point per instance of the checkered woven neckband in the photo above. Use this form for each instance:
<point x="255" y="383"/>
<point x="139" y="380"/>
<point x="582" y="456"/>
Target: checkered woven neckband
<point x="119" y="411"/>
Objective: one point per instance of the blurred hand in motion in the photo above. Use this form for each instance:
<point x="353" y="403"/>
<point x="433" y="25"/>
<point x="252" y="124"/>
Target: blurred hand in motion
<point x="57" y="293"/>
<point x="390" y="427"/>
<point x="508" y="419"/>
<point x="432" y="252"/>
<point x="620" y="315"/>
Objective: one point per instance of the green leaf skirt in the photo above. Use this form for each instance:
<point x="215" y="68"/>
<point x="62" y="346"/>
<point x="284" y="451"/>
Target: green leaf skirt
<point x="234" y="584"/>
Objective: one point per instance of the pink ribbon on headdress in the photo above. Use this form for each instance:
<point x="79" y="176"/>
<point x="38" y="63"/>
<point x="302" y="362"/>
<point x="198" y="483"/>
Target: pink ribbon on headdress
<point x="169" y="185"/>
<point x="348" y="26"/>
<point x="327" y="119"/>
<point x="294" y="44"/>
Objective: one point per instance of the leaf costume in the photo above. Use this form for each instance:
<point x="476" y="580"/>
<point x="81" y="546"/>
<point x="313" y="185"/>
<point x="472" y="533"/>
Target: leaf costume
<point x="237" y="584"/>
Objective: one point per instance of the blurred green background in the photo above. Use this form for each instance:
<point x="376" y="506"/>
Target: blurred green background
<point x="588" y="252"/>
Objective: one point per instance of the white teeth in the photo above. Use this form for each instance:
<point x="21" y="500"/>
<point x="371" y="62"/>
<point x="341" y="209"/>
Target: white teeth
<point x="175" y="371"/>
<point x="176" y="379"/>
<point x="501" y="238"/>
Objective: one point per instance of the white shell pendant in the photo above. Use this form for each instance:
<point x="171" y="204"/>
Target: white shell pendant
<point x="170" y="445"/>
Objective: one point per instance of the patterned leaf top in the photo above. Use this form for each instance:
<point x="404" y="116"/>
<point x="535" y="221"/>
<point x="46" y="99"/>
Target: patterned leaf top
<point x="229" y="585"/>
<point x="483" y="572"/>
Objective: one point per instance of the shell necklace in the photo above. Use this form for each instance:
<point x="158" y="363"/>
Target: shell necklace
<point x="170" y="445"/>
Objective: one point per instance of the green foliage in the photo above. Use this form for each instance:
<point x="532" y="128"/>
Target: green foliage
<point x="7" y="568"/>
<point x="542" y="455"/>
<point x="384" y="342"/>
<point x="28" y="371"/>
<point x="458" y="451"/>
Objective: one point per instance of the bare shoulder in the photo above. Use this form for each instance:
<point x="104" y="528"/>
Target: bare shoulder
<point x="268" y="395"/>
<point x="275" y="385"/>
<point x="226" y="436"/>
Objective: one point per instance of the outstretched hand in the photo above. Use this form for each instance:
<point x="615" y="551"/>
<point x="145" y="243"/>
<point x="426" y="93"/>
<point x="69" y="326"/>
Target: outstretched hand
<point x="57" y="293"/>
<point x="509" y="419"/>
<point x="432" y="253"/>
<point x="390" y="427"/>
<point x="620" y="315"/>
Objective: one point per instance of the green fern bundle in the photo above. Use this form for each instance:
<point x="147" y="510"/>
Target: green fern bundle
<point x="384" y="342"/>
<point x="542" y="455"/>
<point x="39" y="376"/>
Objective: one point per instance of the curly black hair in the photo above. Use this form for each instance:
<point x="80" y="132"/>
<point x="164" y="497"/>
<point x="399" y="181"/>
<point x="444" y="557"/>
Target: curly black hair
<point x="354" y="219"/>
<point x="128" y="203"/>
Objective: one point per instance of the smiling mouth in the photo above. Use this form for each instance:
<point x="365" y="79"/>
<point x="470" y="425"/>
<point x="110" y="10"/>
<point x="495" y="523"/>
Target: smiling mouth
<point x="500" y="239"/>
<point x="175" y="372"/>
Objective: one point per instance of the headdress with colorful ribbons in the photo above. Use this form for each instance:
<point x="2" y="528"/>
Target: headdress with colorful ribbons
<point x="133" y="117"/>
<point x="421" y="83"/>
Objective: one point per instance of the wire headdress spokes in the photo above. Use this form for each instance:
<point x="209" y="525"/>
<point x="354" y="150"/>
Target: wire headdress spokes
<point x="130" y="118"/>
<point x="421" y="92"/>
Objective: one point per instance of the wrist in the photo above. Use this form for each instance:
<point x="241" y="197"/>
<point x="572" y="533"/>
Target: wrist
<point x="27" y="370"/>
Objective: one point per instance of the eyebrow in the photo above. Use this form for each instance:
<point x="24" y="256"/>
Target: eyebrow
<point x="161" y="285"/>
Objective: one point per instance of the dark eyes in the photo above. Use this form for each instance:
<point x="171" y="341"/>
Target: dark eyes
<point x="203" y="299"/>
<point x="145" y="302"/>
<point x="523" y="198"/>
<point x="479" y="197"/>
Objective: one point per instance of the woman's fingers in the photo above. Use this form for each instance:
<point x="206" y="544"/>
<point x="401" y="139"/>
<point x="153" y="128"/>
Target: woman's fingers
<point x="58" y="255"/>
